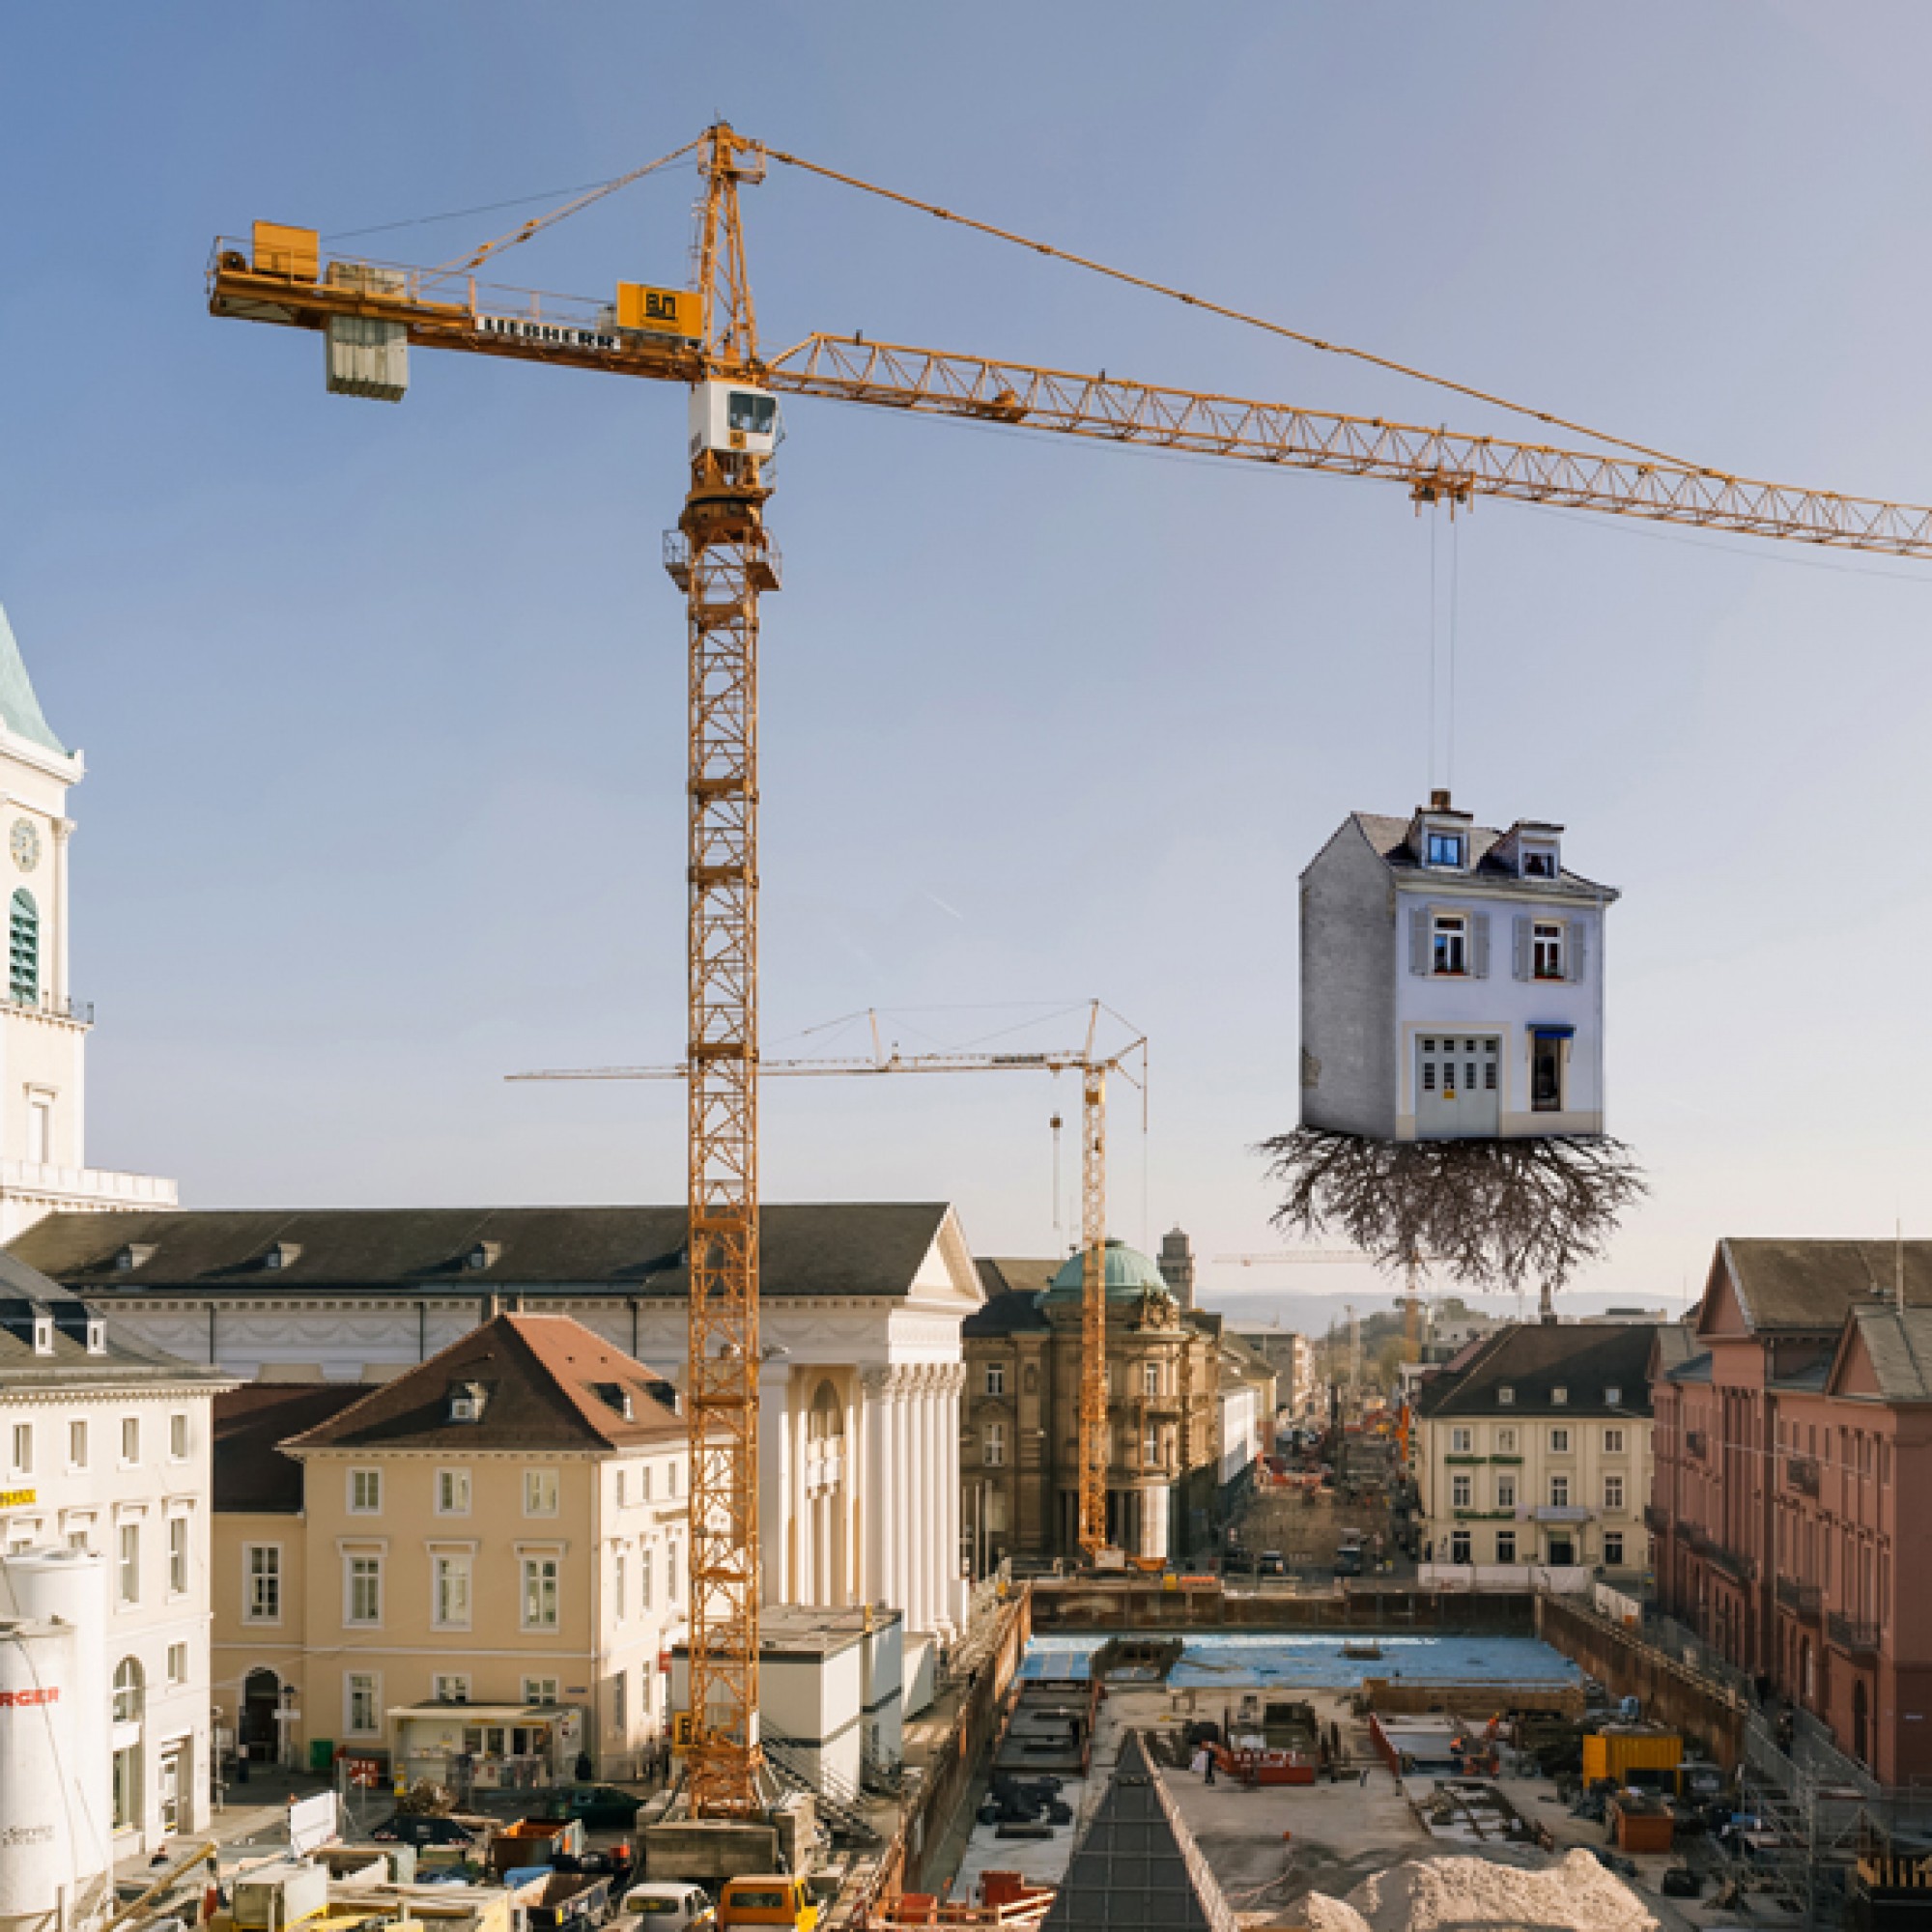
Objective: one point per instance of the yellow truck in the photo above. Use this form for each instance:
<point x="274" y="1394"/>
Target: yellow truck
<point x="767" y="1899"/>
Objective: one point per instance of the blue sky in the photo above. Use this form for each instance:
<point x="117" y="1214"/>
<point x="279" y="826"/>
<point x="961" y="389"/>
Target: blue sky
<point x="383" y="707"/>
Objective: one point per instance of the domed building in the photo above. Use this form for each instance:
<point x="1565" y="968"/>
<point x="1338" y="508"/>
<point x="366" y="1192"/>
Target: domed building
<point x="1020" y="1411"/>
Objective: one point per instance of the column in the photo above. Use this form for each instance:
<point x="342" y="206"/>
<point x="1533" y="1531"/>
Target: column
<point x="955" y="1382"/>
<point x="804" y="1575"/>
<point x="876" y="1513"/>
<point x="773" y="1476"/>
<point x="904" y="1494"/>
<point x="846" y="1586"/>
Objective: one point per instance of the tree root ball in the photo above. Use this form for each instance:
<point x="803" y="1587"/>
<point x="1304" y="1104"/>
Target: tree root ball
<point x="1496" y="1215"/>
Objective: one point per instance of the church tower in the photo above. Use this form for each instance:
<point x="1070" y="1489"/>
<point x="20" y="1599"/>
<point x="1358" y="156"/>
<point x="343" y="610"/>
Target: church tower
<point x="43" y="1028"/>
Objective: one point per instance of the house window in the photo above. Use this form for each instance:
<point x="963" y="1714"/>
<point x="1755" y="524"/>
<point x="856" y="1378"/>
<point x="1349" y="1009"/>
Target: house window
<point x="646" y="1485"/>
<point x="177" y="1663"/>
<point x="23" y="1448"/>
<point x="1460" y="1493"/>
<point x="452" y="1491"/>
<point x="1459" y="1440"/>
<point x="622" y="1485"/>
<point x="617" y="1568"/>
<point x="360" y="1700"/>
<point x="177" y="1556"/>
<point x="128" y="1692"/>
<point x="177" y="1438"/>
<point x="1613" y="1493"/>
<point x="262" y="1590"/>
<point x="1539" y="862"/>
<point x="1506" y="1493"/>
<point x="994" y="1450"/>
<point x="1449" y="948"/>
<point x="1151" y="1378"/>
<point x="1545" y="949"/>
<point x="452" y="1592"/>
<point x="539" y="1491"/>
<point x="130" y="1564"/>
<point x="1151" y="1447"/>
<point x="1560" y="1443"/>
<point x="1505" y="1546"/>
<point x="363" y="1578"/>
<point x="1458" y="1546"/>
<point x="540" y="1691"/>
<point x="1445" y="848"/>
<point x="1559" y="1397"/>
<point x="645" y="1579"/>
<point x="1613" y="1549"/>
<point x="1559" y="1491"/>
<point x="996" y="1378"/>
<point x="540" y="1593"/>
<point x="451" y="1690"/>
<point x="365" y="1491"/>
<point x="23" y="932"/>
<point x="1505" y="1396"/>
<point x="1506" y="1441"/>
<point x="131" y="1440"/>
<point x="1614" y="1440"/>
<point x="77" y="1445"/>
<point x="620" y="1723"/>
<point x="671" y="1479"/>
<point x="1546" y="1074"/>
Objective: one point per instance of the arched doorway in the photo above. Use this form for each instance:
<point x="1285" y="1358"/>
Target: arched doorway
<point x="261" y="1698"/>
<point x="823" y="1558"/>
<point x="1860" y="1715"/>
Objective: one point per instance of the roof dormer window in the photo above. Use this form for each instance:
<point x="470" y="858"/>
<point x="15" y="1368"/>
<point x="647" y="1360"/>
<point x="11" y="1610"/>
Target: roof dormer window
<point x="467" y="1401"/>
<point x="483" y="1255"/>
<point x="281" y="1254"/>
<point x="1559" y="1396"/>
<point x="614" y="1395"/>
<point x="97" y="1335"/>
<point x="1446" y="849"/>
<point x="1505" y="1395"/>
<point x="1538" y="862"/>
<point x="134" y="1255"/>
<point x="44" y="1334"/>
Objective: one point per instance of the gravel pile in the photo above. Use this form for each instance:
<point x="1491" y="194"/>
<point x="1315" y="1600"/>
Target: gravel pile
<point x="1572" y="1894"/>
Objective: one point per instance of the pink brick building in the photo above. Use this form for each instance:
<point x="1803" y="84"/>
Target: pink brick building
<point x="1793" y="1455"/>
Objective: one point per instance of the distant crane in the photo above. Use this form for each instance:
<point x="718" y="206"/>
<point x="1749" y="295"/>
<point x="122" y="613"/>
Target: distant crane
<point x="1410" y="1298"/>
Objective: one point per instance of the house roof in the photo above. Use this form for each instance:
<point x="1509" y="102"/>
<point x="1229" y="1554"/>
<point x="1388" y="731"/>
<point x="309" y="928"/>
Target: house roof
<point x="251" y="1421"/>
<point x="1126" y="1274"/>
<point x="1810" y="1286"/>
<point x="1249" y="1360"/>
<point x="1535" y="1359"/>
<point x="1137" y="1868"/>
<point x="1017" y="1274"/>
<point x="1012" y="1313"/>
<point x="833" y="1248"/>
<point x="69" y="1362"/>
<point x="1388" y="840"/>
<point x="547" y="1382"/>
<point x="1898" y="1343"/>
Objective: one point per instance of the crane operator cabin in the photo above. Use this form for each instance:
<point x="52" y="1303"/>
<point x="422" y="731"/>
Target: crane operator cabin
<point x="1451" y="982"/>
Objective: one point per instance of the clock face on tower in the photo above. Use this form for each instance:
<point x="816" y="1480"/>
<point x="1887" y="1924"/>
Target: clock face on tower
<point x="25" y="841"/>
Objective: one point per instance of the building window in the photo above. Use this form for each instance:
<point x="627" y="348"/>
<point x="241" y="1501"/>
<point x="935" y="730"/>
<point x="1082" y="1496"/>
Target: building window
<point x="1546" y="1074"/>
<point x="643" y="1580"/>
<point x="262" y="1592"/>
<point x="1506" y="1441"/>
<point x="1506" y="1493"/>
<point x="1460" y="1441"/>
<point x="1613" y="1493"/>
<point x="23" y="1448"/>
<point x="1458" y="1546"/>
<point x="622" y="1485"/>
<point x="1449" y="946"/>
<point x="1505" y="1396"/>
<point x="360" y="1701"/>
<point x="177" y="1663"/>
<point x="23" y="932"/>
<point x="540" y="1593"/>
<point x="1614" y="1440"/>
<point x="178" y="1438"/>
<point x="130" y="1564"/>
<point x="1150" y="1377"/>
<point x="996" y="1378"/>
<point x="131" y="1440"/>
<point x="539" y="1491"/>
<point x="365" y="1493"/>
<point x="1539" y="862"/>
<point x="363" y="1578"/>
<point x="1460" y="1493"/>
<point x="1505" y="1546"/>
<point x="1559" y="1491"/>
<point x="617" y="1568"/>
<point x="674" y="1580"/>
<point x="671" y="1478"/>
<point x="77" y="1445"/>
<point x="1445" y="848"/>
<point x="540" y="1691"/>
<point x="1547" y="950"/>
<point x="620" y="1721"/>
<point x="452" y="1592"/>
<point x="646" y="1490"/>
<point x="1613" y="1549"/>
<point x="1151" y="1447"/>
<point x="453" y="1690"/>
<point x="994" y="1445"/>
<point x="1560" y="1443"/>
<point x="128" y="1692"/>
<point x="177" y="1556"/>
<point x="1559" y="1397"/>
<point x="452" y="1492"/>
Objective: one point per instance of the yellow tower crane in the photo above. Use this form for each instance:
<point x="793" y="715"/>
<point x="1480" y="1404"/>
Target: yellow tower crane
<point x="1092" y="1067"/>
<point x="705" y="338"/>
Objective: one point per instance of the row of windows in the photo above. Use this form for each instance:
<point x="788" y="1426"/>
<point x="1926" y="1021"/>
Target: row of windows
<point x="130" y="1682"/>
<point x="1462" y="1549"/>
<point x="1463" y="1491"/>
<point x="362" y="1709"/>
<point x="79" y="1447"/>
<point x="1616" y="1439"/>
<point x="1152" y="1377"/>
<point x="130" y="1567"/>
<point x="1458" y="947"/>
<point x="646" y="1567"/>
<point x="453" y="1490"/>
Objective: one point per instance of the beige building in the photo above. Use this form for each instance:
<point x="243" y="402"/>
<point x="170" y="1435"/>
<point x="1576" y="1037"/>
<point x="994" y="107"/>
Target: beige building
<point x="1535" y="1449"/>
<point x="486" y="1571"/>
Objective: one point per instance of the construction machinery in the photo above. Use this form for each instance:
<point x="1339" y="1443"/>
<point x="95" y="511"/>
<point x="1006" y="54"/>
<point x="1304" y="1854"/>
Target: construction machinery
<point x="705" y="338"/>
<point x="1092" y="1067"/>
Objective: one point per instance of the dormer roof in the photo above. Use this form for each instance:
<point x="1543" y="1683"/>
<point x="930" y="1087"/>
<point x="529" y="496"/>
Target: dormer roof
<point x="1492" y="865"/>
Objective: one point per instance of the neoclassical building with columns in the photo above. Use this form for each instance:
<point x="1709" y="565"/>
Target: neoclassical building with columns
<point x="861" y="1311"/>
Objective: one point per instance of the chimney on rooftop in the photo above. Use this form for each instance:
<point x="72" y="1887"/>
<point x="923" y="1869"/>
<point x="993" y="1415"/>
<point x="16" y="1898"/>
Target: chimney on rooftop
<point x="1439" y="800"/>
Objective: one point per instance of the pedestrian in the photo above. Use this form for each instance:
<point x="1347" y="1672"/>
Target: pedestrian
<point x="1364" y="1780"/>
<point x="1203" y="1763"/>
<point x="1211" y="1768"/>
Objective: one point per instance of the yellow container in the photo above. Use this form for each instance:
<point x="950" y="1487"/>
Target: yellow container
<point x="293" y="252"/>
<point x="660" y="311"/>
<point x="1615" y="1753"/>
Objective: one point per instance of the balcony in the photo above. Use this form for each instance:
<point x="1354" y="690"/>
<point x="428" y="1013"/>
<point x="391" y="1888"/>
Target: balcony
<point x="51" y="1006"/>
<point x="1801" y="1473"/>
<point x="1803" y="1600"/>
<point x="1854" y="1637"/>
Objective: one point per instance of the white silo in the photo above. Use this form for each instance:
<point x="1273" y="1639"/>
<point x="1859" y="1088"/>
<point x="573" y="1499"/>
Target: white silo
<point x="56" y="1753"/>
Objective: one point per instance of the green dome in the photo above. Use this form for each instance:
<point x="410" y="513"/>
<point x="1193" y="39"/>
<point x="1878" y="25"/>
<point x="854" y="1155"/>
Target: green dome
<point x="1129" y="1275"/>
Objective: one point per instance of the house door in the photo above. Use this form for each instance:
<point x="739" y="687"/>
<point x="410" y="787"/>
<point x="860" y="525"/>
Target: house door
<point x="1458" y="1086"/>
<point x="1562" y="1551"/>
<point x="173" y="1787"/>
<point x="261" y="1697"/>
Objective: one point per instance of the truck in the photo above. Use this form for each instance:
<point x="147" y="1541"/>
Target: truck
<point x="565" y="1901"/>
<point x="768" y="1899"/>
<point x="537" y="1841"/>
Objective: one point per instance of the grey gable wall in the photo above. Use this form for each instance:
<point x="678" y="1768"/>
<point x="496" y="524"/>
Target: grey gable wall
<point x="1347" y="989"/>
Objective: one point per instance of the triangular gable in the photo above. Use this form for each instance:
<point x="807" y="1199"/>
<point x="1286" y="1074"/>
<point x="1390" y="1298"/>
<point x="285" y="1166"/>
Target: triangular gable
<point x="1722" y="1313"/>
<point x="1853" y="1370"/>
<point x="948" y="1277"/>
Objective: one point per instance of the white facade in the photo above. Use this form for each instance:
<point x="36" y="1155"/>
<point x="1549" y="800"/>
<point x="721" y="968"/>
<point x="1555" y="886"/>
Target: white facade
<point x="121" y="1467"/>
<point x="43" y="1029"/>
<point x="1240" y="1423"/>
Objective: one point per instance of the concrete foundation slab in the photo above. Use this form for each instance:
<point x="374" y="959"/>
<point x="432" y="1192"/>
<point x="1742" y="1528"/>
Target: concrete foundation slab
<point x="700" y="1851"/>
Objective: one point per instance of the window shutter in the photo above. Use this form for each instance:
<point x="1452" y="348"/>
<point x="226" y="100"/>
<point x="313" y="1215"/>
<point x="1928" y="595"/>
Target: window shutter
<point x="1418" y="939"/>
<point x="1521" y="966"/>
<point x="1575" y="960"/>
<point x="1479" y="946"/>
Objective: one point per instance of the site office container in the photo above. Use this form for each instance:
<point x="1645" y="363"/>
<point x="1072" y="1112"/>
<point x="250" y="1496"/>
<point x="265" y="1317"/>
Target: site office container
<point x="1632" y="1756"/>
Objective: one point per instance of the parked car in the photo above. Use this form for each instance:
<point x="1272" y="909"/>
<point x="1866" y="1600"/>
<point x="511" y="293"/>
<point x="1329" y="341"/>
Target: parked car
<point x="1348" y="1560"/>
<point x="419" y="1829"/>
<point x="666" y="1905"/>
<point x="598" y="1808"/>
<point x="768" y="1900"/>
<point x="1271" y="1563"/>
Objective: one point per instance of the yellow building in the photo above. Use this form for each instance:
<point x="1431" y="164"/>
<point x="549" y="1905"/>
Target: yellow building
<point x="486" y="1571"/>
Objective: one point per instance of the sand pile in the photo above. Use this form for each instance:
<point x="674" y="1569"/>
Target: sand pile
<point x="1572" y="1894"/>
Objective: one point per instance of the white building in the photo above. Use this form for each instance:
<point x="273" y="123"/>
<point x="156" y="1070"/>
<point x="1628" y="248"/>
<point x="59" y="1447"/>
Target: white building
<point x="860" y="1308"/>
<point x="1451" y="982"/>
<point x="105" y="1448"/>
<point x="43" y="1028"/>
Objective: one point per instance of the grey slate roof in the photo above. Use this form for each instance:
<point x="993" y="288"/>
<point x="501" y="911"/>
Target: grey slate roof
<point x="1535" y="1359"/>
<point x="1812" y="1286"/>
<point x="252" y="1474"/>
<point x="24" y="1292"/>
<point x="1388" y="837"/>
<point x="1137" y="1868"/>
<point x="1899" y="1343"/>
<point x="861" y="1248"/>
<point x="1015" y="1274"/>
<point x="1012" y="1313"/>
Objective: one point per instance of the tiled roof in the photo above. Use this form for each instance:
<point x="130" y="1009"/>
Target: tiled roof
<point x="252" y="1474"/>
<point x="1015" y="1274"/>
<point x="1388" y="839"/>
<point x="546" y="1382"/>
<point x="1008" y="1314"/>
<point x="1535" y="1359"/>
<point x="833" y="1248"/>
<point x="1137" y="1868"/>
<point x="26" y="1293"/>
<point x="1812" y="1286"/>
<point x="1899" y="1345"/>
